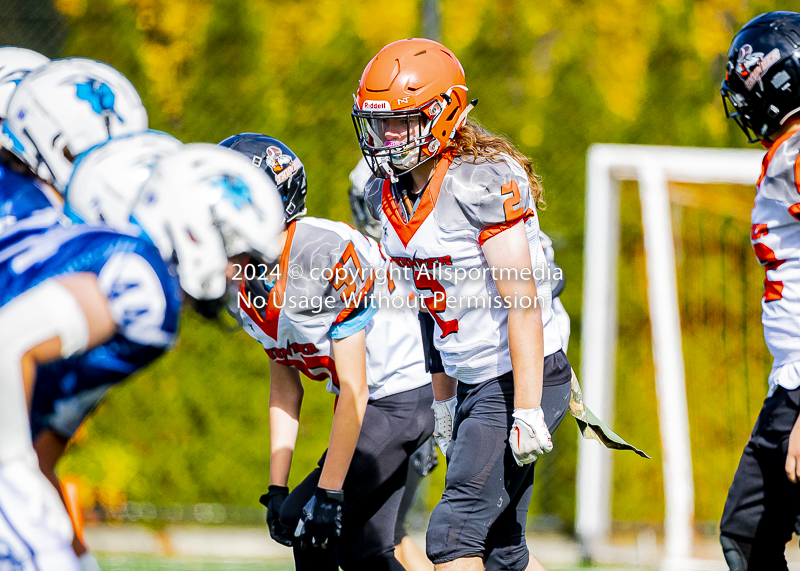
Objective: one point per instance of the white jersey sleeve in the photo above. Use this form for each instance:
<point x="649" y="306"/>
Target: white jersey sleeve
<point x="372" y="196"/>
<point x="489" y="196"/>
<point x="494" y="196"/>
<point x="136" y="298"/>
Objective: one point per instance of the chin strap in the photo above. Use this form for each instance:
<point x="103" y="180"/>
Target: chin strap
<point x="463" y="118"/>
<point x="384" y="164"/>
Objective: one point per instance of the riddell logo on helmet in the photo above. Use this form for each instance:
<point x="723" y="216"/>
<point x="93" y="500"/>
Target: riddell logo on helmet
<point x="376" y="106"/>
<point x="751" y="66"/>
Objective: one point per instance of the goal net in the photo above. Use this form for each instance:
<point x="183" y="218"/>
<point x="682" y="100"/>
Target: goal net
<point x="671" y="339"/>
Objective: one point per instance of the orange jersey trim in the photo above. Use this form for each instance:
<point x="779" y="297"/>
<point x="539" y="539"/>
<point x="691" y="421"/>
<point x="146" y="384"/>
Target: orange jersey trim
<point x="496" y="229"/>
<point x="405" y="231"/>
<point x="797" y="175"/>
<point x="345" y="313"/>
<point x="773" y="148"/>
<point x="269" y="324"/>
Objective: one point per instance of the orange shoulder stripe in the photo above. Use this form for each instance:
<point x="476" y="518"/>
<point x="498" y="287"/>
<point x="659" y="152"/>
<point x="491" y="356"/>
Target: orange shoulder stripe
<point x="491" y="231"/>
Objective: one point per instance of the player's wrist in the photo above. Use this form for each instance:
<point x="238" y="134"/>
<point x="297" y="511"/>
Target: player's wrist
<point x="282" y="482"/>
<point x="273" y="489"/>
<point x="327" y="482"/>
<point x="336" y="496"/>
<point x="527" y="403"/>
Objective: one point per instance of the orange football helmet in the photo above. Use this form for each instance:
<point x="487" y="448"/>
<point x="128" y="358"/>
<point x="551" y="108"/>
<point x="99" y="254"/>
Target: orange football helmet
<point x="411" y="100"/>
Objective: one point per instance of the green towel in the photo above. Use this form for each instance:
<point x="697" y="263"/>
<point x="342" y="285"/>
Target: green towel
<point x="592" y="427"/>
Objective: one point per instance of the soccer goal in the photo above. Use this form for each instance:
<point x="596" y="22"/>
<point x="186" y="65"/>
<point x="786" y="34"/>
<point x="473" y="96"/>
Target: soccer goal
<point x="665" y="176"/>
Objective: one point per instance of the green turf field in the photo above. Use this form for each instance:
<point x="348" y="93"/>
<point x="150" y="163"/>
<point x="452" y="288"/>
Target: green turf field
<point x="121" y="563"/>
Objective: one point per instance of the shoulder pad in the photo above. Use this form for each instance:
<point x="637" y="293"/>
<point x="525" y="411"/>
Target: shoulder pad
<point x="781" y="168"/>
<point x="373" y="194"/>
<point x="484" y="194"/>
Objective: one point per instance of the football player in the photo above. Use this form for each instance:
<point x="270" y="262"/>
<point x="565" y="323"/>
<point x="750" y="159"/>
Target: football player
<point x="21" y="195"/>
<point x="102" y="189"/>
<point x="367" y="224"/>
<point x="424" y="460"/>
<point x="73" y="289"/>
<point x="761" y="92"/>
<point x="458" y="205"/>
<point x="370" y="226"/>
<point x="314" y="316"/>
<point x="29" y="204"/>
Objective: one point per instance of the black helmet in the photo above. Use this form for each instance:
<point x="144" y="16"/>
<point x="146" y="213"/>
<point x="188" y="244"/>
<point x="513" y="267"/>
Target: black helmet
<point x="762" y="83"/>
<point x="280" y="163"/>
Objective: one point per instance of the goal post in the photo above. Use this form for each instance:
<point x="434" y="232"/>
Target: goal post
<point x="653" y="168"/>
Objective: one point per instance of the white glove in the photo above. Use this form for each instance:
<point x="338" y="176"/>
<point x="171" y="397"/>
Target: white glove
<point x="88" y="562"/>
<point x="444" y="411"/>
<point x="529" y="437"/>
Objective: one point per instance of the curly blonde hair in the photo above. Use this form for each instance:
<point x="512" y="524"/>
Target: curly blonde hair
<point x="475" y="142"/>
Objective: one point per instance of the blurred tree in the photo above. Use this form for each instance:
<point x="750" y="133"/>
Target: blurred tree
<point x="34" y="24"/>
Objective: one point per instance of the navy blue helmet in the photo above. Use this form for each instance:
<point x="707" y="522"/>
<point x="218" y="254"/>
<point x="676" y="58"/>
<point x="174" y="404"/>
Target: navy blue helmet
<point x="280" y="163"/>
<point x="761" y="89"/>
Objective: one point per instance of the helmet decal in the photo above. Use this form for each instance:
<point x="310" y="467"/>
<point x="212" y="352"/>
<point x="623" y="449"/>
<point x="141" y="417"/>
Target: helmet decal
<point x="377" y="105"/>
<point x="235" y="190"/>
<point x="280" y="163"/>
<point x="276" y="160"/>
<point x="752" y="65"/>
<point x="99" y="96"/>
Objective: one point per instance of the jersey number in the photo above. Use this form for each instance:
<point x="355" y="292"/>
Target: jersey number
<point x="436" y="304"/>
<point x="512" y="201"/>
<point x="306" y="363"/>
<point x="343" y="277"/>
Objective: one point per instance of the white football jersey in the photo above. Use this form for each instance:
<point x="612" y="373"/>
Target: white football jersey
<point x="327" y="276"/>
<point x="559" y="312"/>
<point x="775" y="235"/>
<point x="464" y="205"/>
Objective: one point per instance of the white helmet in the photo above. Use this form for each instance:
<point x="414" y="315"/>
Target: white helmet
<point x="205" y="204"/>
<point x="66" y="107"/>
<point x="14" y="64"/>
<point x="108" y="178"/>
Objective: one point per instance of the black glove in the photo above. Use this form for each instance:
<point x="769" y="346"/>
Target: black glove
<point x="321" y="523"/>
<point x="273" y="500"/>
